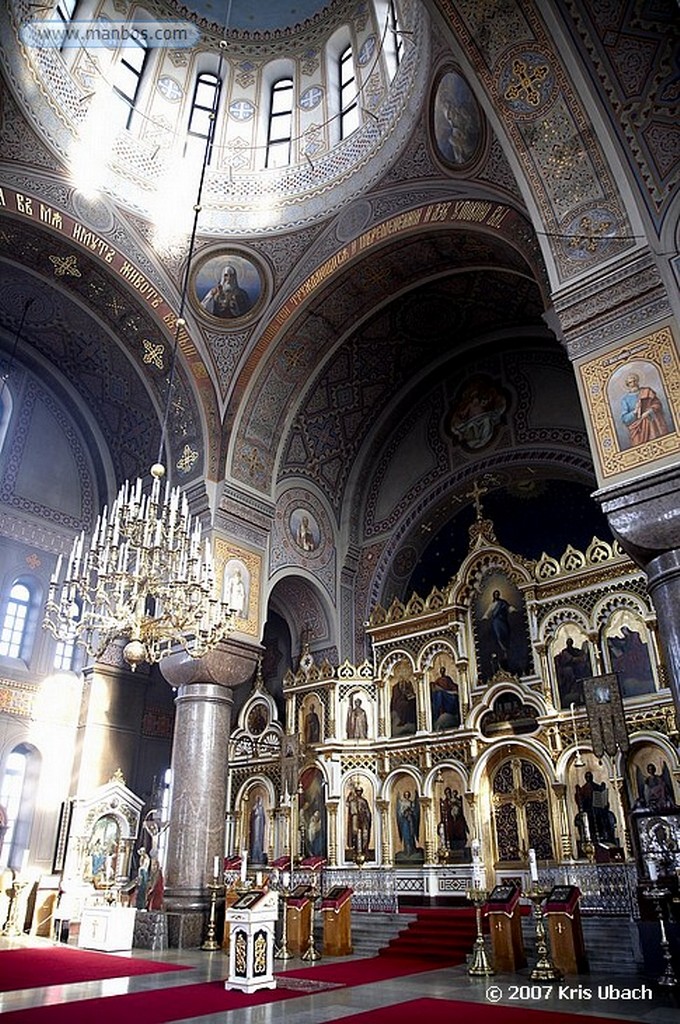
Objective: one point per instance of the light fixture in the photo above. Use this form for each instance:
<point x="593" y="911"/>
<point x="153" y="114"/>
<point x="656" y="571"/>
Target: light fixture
<point x="145" y="575"/>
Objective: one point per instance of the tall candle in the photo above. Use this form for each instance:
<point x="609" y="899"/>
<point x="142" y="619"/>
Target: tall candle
<point x="216" y="867"/>
<point x="586" y="828"/>
<point x="244" y="864"/>
<point x="533" y="867"/>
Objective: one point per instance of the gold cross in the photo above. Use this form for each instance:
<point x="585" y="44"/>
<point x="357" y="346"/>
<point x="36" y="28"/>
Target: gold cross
<point x="65" y="265"/>
<point x="476" y="494"/>
<point x="526" y="79"/>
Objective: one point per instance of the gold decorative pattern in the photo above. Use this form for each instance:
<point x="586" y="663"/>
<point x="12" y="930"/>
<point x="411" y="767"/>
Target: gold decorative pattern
<point x="260" y="954"/>
<point x="241" y="954"/>
<point x="187" y="459"/>
<point x="65" y="265"/>
<point x="153" y="353"/>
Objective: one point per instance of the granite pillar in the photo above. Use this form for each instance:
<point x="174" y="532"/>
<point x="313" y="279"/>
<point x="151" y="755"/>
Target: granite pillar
<point x="196" y="833"/>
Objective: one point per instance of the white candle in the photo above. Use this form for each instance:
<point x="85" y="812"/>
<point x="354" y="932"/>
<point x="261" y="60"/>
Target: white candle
<point x="533" y="867"/>
<point x="286" y="879"/>
<point x="244" y="864"/>
<point x="216" y="867"/>
<point x="586" y="828"/>
<point x="652" y="871"/>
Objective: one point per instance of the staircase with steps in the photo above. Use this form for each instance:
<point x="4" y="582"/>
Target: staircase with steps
<point x="612" y="945"/>
<point x="442" y="935"/>
<point x="372" y="931"/>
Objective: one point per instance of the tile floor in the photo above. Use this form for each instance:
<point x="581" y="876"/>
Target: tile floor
<point x="654" y="1005"/>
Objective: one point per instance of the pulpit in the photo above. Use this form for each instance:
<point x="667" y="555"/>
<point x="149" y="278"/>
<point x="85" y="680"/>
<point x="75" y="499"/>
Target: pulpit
<point x="336" y="911"/>
<point x="252" y="922"/>
<point x="505" y="927"/>
<point x="299" y="907"/>
<point x="563" y="914"/>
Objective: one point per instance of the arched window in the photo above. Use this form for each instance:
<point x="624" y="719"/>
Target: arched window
<point x="394" y="40"/>
<point x="127" y="76"/>
<point x="280" y="129"/>
<point x="18" y="789"/>
<point x="15" y="623"/>
<point x="349" y="106"/>
<point x="201" y="123"/>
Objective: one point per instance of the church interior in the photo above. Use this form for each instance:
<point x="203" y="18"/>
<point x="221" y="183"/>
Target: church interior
<point x="339" y="490"/>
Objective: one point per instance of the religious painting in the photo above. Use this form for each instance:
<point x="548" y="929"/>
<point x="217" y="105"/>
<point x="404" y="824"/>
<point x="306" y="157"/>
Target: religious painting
<point x="591" y="812"/>
<point x="403" y="705"/>
<point x="444" y="698"/>
<point x="312" y="815"/>
<point x="571" y="657"/>
<point x="359" y="801"/>
<point x="357" y="722"/>
<point x="102" y="851"/>
<point x="453" y="830"/>
<point x="256" y="816"/>
<point x="227" y="286"/>
<point x="658" y="843"/>
<point x="290" y="751"/>
<point x="632" y="394"/>
<point x="311" y="721"/>
<point x="407" y="828"/>
<point x="628" y="651"/>
<point x="477" y="412"/>
<point x="650" y="781"/>
<point x="258" y="719"/>
<point x="501" y="628"/>
<point x="509" y="716"/>
<point x="456" y="120"/>
<point x="305" y="530"/>
<point x="237" y="580"/>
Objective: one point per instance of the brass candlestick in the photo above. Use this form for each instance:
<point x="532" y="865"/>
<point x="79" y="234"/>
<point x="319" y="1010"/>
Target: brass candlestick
<point x="311" y="953"/>
<point x="283" y="953"/>
<point x="211" y="944"/>
<point x="544" y="969"/>
<point x="658" y="894"/>
<point x="479" y="961"/>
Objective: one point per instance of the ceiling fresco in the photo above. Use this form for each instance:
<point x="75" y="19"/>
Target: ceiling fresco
<point x="253" y="16"/>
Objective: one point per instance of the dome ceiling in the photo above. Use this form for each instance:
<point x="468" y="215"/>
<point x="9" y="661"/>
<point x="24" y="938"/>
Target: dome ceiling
<point x="246" y="16"/>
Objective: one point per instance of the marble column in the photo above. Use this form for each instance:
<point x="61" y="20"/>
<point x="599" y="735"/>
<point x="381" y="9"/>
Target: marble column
<point x="196" y="832"/>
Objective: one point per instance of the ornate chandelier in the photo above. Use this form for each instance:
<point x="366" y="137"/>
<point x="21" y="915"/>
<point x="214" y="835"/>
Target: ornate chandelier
<point x="145" y="575"/>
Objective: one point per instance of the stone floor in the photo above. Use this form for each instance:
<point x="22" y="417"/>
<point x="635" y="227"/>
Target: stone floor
<point x="589" y="994"/>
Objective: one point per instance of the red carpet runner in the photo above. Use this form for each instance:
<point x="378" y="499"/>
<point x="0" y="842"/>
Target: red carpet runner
<point x="446" y="1011"/>
<point x="441" y="936"/>
<point x="63" y="965"/>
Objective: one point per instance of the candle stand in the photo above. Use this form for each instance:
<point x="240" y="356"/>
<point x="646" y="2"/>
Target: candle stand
<point x="479" y="961"/>
<point x="211" y="943"/>
<point x="12" y="928"/>
<point x="282" y="952"/>
<point x="311" y="953"/>
<point x="544" y="969"/>
<point x="658" y="894"/>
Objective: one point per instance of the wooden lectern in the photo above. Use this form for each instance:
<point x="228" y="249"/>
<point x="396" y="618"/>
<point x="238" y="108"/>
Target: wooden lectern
<point x="298" y="919"/>
<point x="505" y="927"/>
<point x="336" y="908"/>
<point x="563" y="914"/>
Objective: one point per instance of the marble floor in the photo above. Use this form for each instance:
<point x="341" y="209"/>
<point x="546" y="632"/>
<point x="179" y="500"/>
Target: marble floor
<point x="585" y="995"/>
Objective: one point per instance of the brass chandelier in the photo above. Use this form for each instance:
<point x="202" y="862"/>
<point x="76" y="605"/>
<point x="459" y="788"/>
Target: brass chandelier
<point x="146" y="575"/>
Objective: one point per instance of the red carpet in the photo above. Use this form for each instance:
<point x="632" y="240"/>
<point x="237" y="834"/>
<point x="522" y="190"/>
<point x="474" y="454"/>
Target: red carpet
<point x="365" y="971"/>
<point x="62" y="965"/>
<point x="177" y="1002"/>
<point x="155" y="1007"/>
<point x="439" y="936"/>
<point x="446" y="1011"/>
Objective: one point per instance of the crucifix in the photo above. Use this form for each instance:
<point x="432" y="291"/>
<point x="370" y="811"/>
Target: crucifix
<point x="476" y="495"/>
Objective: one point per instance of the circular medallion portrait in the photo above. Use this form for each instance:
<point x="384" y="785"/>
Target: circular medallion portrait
<point x="456" y="120"/>
<point x="305" y="530"/>
<point x="228" y="286"/>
